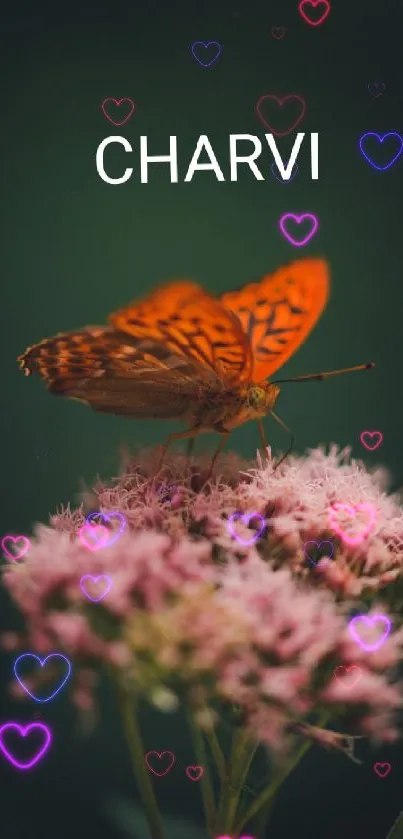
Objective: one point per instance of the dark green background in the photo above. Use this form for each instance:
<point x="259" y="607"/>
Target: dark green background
<point x="74" y="248"/>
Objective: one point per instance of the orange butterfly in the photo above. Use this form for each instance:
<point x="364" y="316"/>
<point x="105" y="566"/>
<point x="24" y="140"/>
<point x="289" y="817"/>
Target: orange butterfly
<point x="181" y="353"/>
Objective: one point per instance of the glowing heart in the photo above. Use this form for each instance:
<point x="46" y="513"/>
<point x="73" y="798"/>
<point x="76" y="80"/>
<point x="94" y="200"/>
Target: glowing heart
<point x="42" y="662"/>
<point x="352" y="511"/>
<point x="278" y="32"/>
<point x="381" y="139"/>
<point x="325" y="548"/>
<point x="376" y="620"/>
<point x="269" y="97"/>
<point x="371" y="439"/>
<point x="95" y="536"/>
<point x="229" y="837"/>
<point x="308" y="10"/>
<point x="194" y="773"/>
<point x="199" y="46"/>
<point x="19" y="545"/>
<point x="24" y="731"/>
<point x="382" y="769"/>
<point x="246" y="520"/>
<point x="125" y="106"/>
<point x="376" y="88"/>
<point x="160" y="772"/>
<point x="348" y="676"/>
<point x="277" y="175"/>
<point x="284" y="223"/>
<point x="106" y="585"/>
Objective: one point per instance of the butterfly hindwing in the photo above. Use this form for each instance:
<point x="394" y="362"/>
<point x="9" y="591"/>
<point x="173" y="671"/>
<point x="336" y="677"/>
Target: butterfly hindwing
<point x="279" y="312"/>
<point x="115" y="373"/>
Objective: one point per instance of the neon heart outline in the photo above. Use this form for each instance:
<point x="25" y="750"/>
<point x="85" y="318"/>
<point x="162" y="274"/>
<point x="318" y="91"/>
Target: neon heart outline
<point x="244" y="516"/>
<point x="314" y="3"/>
<point x="385" y="774"/>
<point x="113" y="536"/>
<point x="201" y="772"/>
<point x="312" y="542"/>
<point x="369" y="648"/>
<point x="118" y="102"/>
<point x="14" y="539"/>
<point x="281" y="29"/>
<point x="278" y="177"/>
<point x="87" y="529"/>
<point x="352" y="540"/>
<point x="206" y="44"/>
<point x="95" y="580"/>
<point x="371" y="434"/>
<point x="381" y="138"/>
<point x="281" y="102"/>
<point x="298" y="218"/>
<point x="342" y="680"/>
<point x="42" y="663"/>
<point x="23" y="730"/>
<point x="159" y="755"/>
<point x="376" y="95"/>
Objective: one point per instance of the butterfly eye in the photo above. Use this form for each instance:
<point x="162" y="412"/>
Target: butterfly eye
<point x="257" y="398"/>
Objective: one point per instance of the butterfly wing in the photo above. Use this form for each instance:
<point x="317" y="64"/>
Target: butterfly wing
<point x="186" y="320"/>
<point x="279" y="312"/>
<point x="117" y="374"/>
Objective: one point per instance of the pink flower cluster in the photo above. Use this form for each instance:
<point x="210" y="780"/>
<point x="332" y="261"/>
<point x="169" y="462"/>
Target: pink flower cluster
<point x="193" y="612"/>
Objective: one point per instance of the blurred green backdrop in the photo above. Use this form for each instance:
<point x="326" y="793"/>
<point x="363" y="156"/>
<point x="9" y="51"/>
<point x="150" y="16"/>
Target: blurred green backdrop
<point x="74" y="248"/>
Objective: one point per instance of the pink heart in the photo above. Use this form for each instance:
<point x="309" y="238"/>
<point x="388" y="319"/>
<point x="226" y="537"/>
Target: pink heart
<point x="13" y="540"/>
<point x="374" y="434"/>
<point x="354" y="626"/>
<point x="280" y="102"/>
<point x="246" y="519"/>
<point x="118" y="103"/>
<point x="194" y="772"/>
<point x="313" y="4"/>
<point x="93" y="536"/>
<point x="352" y="510"/>
<point x="382" y="769"/>
<point x="106" y="582"/>
<point x="24" y="731"/>
<point x="343" y="674"/>
<point x="160" y="756"/>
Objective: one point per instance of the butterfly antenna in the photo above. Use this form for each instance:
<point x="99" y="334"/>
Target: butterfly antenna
<point x="288" y="430"/>
<point x="319" y="377"/>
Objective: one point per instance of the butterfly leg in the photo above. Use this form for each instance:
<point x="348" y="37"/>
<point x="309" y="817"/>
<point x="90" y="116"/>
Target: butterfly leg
<point x="224" y="436"/>
<point x="182" y="435"/>
<point x="190" y="447"/>
<point x="283" y="425"/>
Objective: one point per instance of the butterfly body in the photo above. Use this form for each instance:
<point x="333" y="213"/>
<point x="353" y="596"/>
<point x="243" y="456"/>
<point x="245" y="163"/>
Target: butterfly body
<point x="181" y="353"/>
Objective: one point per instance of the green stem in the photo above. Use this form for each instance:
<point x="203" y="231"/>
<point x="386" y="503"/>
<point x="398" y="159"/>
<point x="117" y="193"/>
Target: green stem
<point x="266" y="796"/>
<point x="136" y="748"/>
<point x="206" y="784"/>
<point x="218" y="756"/>
<point x="238" y="767"/>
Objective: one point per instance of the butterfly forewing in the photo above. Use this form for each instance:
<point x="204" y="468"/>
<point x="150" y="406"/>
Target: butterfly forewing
<point x="189" y="321"/>
<point x="279" y="312"/>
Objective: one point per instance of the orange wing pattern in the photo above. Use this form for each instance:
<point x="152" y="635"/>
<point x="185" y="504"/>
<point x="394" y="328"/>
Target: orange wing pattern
<point x="278" y="313"/>
<point x="187" y="320"/>
<point x="116" y="374"/>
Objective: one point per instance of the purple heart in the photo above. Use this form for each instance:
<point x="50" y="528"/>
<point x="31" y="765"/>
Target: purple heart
<point x="277" y="175"/>
<point x="23" y="731"/>
<point x="318" y="547"/>
<point x="205" y="45"/>
<point x="246" y="519"/>
<point x="376" y="88"/>
<point x="381" y="138"/>
<point x="95" y="580"/>
<point x="42" y="662"/>
<point x="108" y="517"/>
<point x="298" y="219"/>
<point x="370" y="622"/>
